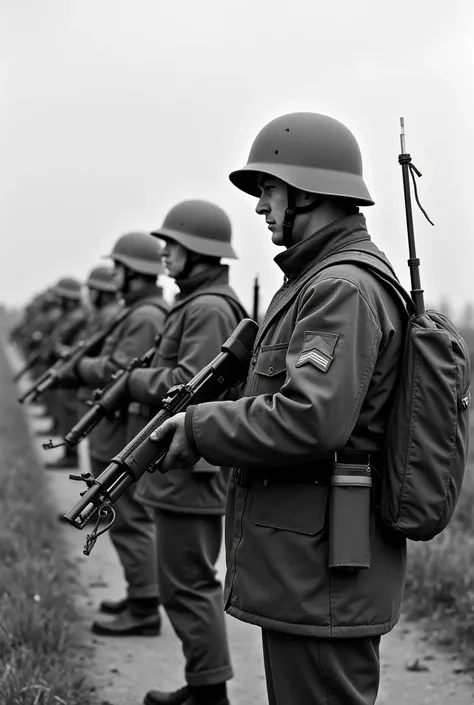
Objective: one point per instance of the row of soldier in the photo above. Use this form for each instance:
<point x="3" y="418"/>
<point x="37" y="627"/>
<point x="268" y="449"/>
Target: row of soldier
<point x="179" y="517"/>
<point x="320" y="382"/>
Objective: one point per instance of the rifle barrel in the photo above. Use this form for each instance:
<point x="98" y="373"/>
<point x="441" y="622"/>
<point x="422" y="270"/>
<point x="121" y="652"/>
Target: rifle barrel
<point x="142" y="454"/>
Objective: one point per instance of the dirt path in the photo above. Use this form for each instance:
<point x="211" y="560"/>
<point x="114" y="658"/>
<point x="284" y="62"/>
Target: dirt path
<point x="125" y="668"/>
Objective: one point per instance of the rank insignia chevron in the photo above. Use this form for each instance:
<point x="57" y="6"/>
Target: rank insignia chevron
<point x="316" y="358"/>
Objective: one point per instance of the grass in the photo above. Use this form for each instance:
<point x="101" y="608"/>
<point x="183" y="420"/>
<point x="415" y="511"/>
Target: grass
<point x="440" y="584"/>
<point x="42" y="658"/>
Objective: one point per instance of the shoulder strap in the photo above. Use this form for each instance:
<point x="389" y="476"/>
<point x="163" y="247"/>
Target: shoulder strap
<point x="234" y="304"/>
<point x="160" y="304"/>
<point x="370" y="261"/>
<point x="363" y="258"/>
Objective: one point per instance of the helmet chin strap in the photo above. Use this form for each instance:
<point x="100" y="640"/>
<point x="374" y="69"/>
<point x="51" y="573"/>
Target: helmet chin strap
<point x="191" y="259"/>
<point x="292" y="211"/>
<point x="128" y="276"/>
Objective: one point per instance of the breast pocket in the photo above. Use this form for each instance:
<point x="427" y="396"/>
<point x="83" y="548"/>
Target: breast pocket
<point x="270" y="369"/>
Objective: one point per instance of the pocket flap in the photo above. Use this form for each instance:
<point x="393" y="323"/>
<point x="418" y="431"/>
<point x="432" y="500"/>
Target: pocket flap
<point x="291" y="507"/>
<point x="271" y="360"/>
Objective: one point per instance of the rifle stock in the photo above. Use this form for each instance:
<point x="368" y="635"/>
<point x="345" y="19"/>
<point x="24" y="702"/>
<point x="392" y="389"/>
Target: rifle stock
<point x="141" y="454"/>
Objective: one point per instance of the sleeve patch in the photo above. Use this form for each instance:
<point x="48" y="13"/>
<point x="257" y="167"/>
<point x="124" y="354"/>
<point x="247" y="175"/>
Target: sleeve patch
<point x="317" y="350"/>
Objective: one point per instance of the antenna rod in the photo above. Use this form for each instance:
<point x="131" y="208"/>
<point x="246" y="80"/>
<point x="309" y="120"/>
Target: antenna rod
<point x="414" y="263"/>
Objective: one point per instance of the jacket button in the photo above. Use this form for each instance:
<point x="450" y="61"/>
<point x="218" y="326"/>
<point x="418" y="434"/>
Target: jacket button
<point x="271" y="370"/>
<point x="265" y="483"/>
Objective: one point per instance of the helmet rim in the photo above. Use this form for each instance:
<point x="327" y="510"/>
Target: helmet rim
<point x="198" y="245"/>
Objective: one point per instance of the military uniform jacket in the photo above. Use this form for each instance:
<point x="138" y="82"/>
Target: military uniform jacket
<point x="133" y="337"/>
<point x="203" y="317"/>
<point x="99" y="320"/>
<point x="66" y="334"/>
<point x="321" y="379"/>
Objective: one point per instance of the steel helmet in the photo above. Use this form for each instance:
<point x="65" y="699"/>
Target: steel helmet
<point x="139" y="252"/>
<point x="309" y="151"/>
<point x="102" y="278"/>
<point x="69" y="288"/>
<point x="50" y="295"/>
<point x="199" y="226"/>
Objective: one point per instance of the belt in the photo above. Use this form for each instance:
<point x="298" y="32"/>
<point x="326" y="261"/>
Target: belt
<point x="319" y="474"/>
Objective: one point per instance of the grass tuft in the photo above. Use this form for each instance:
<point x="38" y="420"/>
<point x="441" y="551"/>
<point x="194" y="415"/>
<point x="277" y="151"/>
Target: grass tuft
<point x="43" y="660"/>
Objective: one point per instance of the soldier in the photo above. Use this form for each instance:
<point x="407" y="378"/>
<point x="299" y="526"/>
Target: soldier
<point x="320" y="383"/>
<point x="102" y="291"/>
<point x="68" y="331"/>
<point x="188" y="505"/>
<point x="48" y="320"/>
<point x="137" y="260"/>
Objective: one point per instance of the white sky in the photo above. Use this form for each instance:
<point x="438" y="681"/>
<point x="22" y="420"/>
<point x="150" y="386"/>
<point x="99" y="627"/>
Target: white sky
<point x="112" y="111"/>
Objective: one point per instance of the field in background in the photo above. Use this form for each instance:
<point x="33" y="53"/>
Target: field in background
<point x="42" y="658"/>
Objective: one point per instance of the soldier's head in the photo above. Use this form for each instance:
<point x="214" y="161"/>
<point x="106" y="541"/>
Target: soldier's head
<point x="137" y="261"/>
<point x="306" y="171"/>
<point x="196" y="234"/>
<point x="102" y="286"/>
<point x="68" y="291"/>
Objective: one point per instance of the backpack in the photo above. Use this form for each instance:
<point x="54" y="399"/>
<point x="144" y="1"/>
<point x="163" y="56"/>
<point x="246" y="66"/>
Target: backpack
<point x="427" y="432"/>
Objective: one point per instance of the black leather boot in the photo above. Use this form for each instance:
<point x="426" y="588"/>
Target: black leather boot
<point x="113" y="606"/>
<point x="128" y="624"/>
<point x="159" y="697"/>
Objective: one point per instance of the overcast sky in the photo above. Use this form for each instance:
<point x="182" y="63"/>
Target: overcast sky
<point x="112" y="111"/>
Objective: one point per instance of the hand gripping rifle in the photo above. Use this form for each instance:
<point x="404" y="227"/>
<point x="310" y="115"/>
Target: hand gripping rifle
<point x="141" y="454"/>
<point x="63" y="368"/>
<point x="106" y="401"/>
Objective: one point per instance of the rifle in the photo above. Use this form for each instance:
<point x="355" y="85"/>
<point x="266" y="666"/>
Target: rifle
<point x="142" y="455"/>
<point x="408" y="168"/>
<point x="31" y="362"/>
<point x="63" y="368"/>
<point x="256" y="299"/>
<point x="106" y="401"/>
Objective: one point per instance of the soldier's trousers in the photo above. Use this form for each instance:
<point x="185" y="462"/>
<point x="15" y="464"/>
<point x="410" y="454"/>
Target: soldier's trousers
<point x="312" y="671"/>
<point x="67" y="409"/>
<point x="188" y="548"/>
<point x="133" y="536"/>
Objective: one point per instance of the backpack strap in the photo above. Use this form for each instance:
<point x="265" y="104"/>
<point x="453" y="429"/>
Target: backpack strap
<point x="160" y="304"/>
<point x="377" y="266"/>
<point x="364" y="258"/>
<point x="236" y="307"/>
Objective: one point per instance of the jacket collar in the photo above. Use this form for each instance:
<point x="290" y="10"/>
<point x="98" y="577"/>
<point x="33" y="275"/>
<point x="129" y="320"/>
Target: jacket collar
<point x="338" y="235"/>
<point x="214" y="274"/>
<point x="148" y="292"/>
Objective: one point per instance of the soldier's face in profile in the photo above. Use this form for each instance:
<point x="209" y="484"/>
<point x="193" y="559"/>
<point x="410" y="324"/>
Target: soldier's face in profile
<point x="174" y="258"/>
<point x="119" y="274"/>
<point x="92" y="296"/>
<point x="272" y="204"/>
